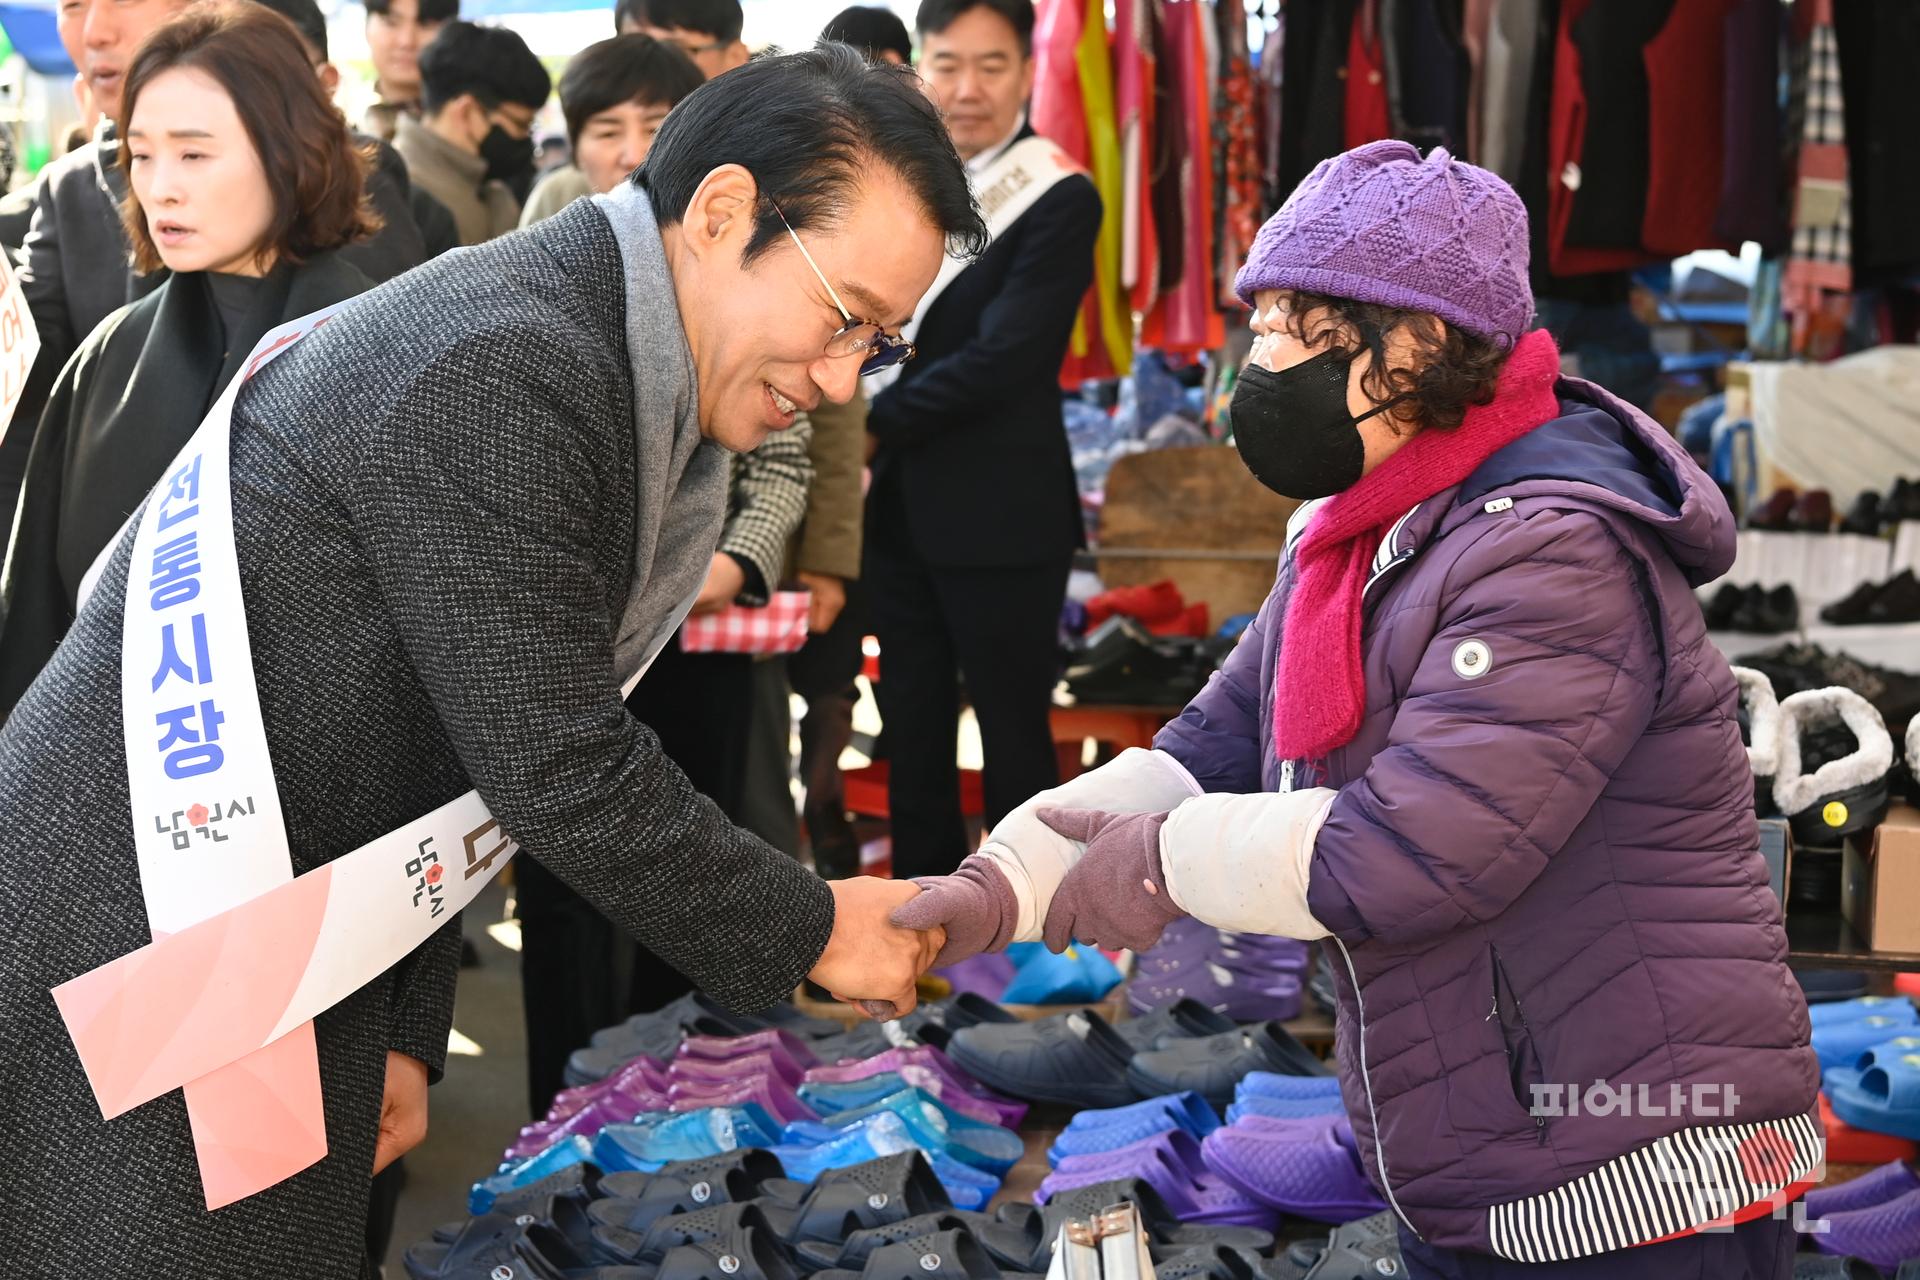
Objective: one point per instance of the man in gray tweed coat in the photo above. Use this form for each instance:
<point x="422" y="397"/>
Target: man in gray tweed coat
<point x="464" y="511"/>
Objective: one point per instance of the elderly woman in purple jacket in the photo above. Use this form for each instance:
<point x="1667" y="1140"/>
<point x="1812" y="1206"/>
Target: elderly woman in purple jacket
<point x="1478" y="743"/>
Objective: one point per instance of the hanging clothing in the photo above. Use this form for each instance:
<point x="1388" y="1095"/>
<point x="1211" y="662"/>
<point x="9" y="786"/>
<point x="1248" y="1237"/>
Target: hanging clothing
<point x="1428" y="76"/>
<point x="1819" y="275"/>
<point x="1567" y="184"/>
<point x="1313" y="95"/>
<point x="1367" y="116"/>
<point x="1609" y="41"/>
<point x="1686" y="64"/>
<point x="1186" y="319"/>
<point x="1506" y="79"/>
<point x="1104" y="336"/>
<point x="1752" y="183"/>
<point x="1236" y="131"/>
<point x="1133" y="55"/>
<point x="1877" y="41"/>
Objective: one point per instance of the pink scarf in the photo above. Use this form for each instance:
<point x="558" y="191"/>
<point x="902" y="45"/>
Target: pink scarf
<point x="1320" y="687"/>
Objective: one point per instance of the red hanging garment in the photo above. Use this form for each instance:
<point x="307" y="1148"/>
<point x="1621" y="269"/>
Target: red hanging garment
<point x="1368" y="119"/>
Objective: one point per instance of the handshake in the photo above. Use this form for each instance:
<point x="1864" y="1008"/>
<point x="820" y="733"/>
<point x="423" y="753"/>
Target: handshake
<point x="886" y="933"/>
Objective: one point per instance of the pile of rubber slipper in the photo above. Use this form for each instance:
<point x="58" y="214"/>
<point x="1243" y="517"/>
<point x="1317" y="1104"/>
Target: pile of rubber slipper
<point x="1246" y="977"/>
<point x="1285" y="1149"/>
<point x="738" y="1216"/>
<point x="770" y="1090"/>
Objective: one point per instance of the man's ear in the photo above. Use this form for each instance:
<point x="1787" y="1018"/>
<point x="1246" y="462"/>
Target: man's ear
<point x="329" y="78"/>
<point x="720" y="216"/>
<point x="737" y="54"/>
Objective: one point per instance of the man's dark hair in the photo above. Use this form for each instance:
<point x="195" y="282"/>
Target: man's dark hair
<point x="936" y="16"/>
<point x="871" y="30"/>
<point x="491" y="63"/>
<point x="720" y="19"/>
<point x="428" y="10"/>
<point x="631" y="68"/>
<point x="307" y="20"/>
<point x="806" y="126"/>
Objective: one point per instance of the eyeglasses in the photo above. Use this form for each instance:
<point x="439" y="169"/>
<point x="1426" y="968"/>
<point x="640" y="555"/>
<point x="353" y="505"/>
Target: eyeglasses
<point x="881" y="350"/>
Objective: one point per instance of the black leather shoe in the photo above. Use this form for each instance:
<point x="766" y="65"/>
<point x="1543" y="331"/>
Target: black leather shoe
<point x="1903" y="503"/>
<point x="1768" y="612"/>
<point x="1726" y="602"/>
<point x="1864" y="517"/>
<point x="1852" y="608"/>
<point x="1898" y="600"/>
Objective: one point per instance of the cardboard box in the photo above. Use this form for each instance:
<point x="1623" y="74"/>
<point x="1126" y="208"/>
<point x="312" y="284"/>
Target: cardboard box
<point x="1880" y="883"/>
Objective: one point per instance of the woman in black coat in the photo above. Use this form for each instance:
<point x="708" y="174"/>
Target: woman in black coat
<point x="247" y="207"/>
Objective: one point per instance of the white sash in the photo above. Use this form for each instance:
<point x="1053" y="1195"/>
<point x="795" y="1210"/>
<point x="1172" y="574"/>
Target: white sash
<point x="245" y="955"/>
<point x="1009" y="186"/>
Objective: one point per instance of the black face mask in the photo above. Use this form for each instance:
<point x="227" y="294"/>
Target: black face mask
<point x="507" y="157"/>
<point x="1293" y="428"/>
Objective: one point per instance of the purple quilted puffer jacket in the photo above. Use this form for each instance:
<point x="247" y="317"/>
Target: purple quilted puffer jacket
<point x="1542" y="868"/>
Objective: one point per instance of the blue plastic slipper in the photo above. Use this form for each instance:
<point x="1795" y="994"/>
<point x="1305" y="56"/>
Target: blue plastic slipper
<point x="1897" y="1007"/>
<point x="1842" y="1043"/>
<point x="1092" y="1132"/>
<point x="1886" y="1099"/>
<point x="656" y="1140"/>
<point x="1078" y="975"/>
<point x="1848" y="1077"/>
<point x="561" y="1155"/>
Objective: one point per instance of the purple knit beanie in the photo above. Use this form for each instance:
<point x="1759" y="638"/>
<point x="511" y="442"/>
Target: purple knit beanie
<point x="1379" y="224"/>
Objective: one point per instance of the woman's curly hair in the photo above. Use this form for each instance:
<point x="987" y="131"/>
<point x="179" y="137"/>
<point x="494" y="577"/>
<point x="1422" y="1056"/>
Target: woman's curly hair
<point x="1451" y="370"/>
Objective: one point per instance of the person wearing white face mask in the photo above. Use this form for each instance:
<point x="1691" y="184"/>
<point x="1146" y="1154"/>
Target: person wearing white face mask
<point x="614" y="95"/>
<point x="247" y="210"/>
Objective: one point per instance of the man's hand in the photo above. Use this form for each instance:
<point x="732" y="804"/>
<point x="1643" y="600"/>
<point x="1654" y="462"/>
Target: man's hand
<point x="725" y="581"/>
<point x="869" y="960"/>
<point x="403" y="1109"/>
<point x="829" y="597"/>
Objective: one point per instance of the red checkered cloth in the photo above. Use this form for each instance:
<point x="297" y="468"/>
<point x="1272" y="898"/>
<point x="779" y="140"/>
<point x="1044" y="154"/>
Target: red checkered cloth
<point x="779" y="627"/>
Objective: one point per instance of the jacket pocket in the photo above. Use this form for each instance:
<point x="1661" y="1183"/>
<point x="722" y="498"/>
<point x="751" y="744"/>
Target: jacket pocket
<point x="1523" y="1060"/>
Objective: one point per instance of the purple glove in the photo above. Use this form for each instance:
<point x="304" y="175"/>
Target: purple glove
<point x="975" y="905"/>
<point x="1116" y="895"/>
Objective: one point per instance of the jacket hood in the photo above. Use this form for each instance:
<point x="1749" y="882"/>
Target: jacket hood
<point x="1606" y="453"/>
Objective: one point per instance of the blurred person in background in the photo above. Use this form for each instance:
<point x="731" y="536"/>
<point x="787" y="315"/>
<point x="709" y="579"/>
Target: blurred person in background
<point x="480" y="89"/>
<point x="614" y="95"/>
<point x="875" y="31"/>
<point x="973" y="425"/>
<point x="708" y="31"/>
<point x="397" y="30"/>
<point x="244" y="186"/>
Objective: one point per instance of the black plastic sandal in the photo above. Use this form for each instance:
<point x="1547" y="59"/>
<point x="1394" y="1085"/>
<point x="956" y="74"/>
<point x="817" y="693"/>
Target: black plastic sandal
<point x="635" y="1201"/>
<point x="944" y="1255"/>
<point x="741" y="1255"/>
<point x="858" y="1197"/>
<point x="1008" y="1248"/>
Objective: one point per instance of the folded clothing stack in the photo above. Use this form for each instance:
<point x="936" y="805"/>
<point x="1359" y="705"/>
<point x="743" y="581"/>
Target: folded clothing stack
<point x="1248" y="977"/>
<point x="737" y="1216"/>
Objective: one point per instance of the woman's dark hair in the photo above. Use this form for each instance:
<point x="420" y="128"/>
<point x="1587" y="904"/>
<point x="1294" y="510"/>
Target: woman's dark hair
<point x="936" y="16"/>
<point x="807" y="126"/>
<point x="491" y="63"/>
<point x="317" y="176"/>
<point x="1451" y="370"/>
<point x="633" y="68"/>
<point x="872" y="30"/>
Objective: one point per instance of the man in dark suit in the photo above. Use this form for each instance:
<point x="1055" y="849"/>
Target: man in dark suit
<point x="973" y="518"/>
